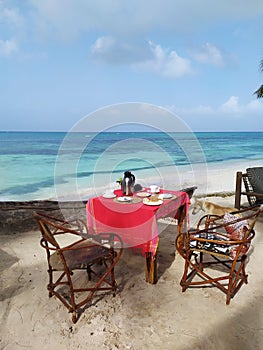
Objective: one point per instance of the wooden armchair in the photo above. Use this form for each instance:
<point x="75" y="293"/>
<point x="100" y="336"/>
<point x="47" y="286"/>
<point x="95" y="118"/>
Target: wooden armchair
<point x="215" y="252"/>
<point x="249" y="184"/>
<point x="70" y="251"/>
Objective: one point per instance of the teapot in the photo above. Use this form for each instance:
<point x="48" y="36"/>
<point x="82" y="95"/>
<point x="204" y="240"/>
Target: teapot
<point x="127" y="183"/>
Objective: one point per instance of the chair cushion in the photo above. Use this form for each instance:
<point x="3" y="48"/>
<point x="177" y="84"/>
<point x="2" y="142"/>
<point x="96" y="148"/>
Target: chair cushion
<point x="212" y="247"/>
<point x="83" y="253"/>
<point x="236" y="231"/>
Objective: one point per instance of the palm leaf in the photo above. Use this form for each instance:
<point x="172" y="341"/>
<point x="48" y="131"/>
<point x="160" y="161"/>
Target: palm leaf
<point x="259" y="92"/>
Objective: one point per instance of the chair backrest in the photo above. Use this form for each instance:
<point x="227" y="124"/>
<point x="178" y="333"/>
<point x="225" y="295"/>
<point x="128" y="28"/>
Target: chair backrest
<point x="252" y="180"/>
<point x="189" y="191"/>
<point x="251" y="199"/>
<point x="47" y="229"/>
<point x="50" y="227"/>
<point x="255" y="177"/>
<point x="215" y="222"/>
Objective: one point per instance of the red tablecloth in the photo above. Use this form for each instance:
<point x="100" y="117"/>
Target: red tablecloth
<point x="136" y="223"/>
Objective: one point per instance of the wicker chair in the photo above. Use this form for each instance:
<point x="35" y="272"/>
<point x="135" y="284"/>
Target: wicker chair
<point x="215" y="252"/>
<point x="249" y="184"/>
<point x="69" y="248"/>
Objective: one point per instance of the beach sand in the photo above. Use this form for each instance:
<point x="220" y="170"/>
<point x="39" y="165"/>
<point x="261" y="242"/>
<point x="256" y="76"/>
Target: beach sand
<point x="141" y="316"/>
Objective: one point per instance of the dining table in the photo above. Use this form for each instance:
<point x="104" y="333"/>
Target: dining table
<point x="135" y="219"/>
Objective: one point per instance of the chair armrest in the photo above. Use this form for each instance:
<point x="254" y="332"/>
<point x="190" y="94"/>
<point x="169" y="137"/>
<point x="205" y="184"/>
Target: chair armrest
<point x="255" y="194"/>
<point x="76" y="226"/>
<point x="218" y="238"/>
<point x="207" y="220"/>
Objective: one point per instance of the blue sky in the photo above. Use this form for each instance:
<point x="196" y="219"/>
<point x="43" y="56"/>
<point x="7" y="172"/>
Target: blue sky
<point x="61" y="60"/>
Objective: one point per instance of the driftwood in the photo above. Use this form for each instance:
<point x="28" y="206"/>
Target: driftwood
<point x="17" y="216"/>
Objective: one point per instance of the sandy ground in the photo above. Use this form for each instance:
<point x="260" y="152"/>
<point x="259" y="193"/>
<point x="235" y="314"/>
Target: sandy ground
<point x="141" y="316"/>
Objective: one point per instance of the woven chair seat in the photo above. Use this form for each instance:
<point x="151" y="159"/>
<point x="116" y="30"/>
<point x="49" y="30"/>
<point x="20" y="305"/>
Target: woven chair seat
<point x="79" y="255"/>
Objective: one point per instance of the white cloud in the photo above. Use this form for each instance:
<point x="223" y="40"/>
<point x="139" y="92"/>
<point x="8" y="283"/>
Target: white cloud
<point x="112" y="50"/>
<point x="255" y="106"/>
<point x="11" y="28"/>
<point x="151" y="57"/>
<point x="196" y="111"/>
<point x="130" y="22"/>
<point x="71" y="18"/>
<point x="8" y="47"/>
<point x="231" y="106"/>
<point x="165" y="63"/>
<point x="102" y="45"/>
<point x="12" y="16"/>
<point x="209" y="53"/>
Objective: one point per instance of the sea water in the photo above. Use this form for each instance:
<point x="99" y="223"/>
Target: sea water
<point x="57" y="165"/>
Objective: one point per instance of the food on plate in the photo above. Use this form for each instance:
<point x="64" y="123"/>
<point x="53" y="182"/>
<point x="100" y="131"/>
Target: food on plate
<point x="154" y="198"/>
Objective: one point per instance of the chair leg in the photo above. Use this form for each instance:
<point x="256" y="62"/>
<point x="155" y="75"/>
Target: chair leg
<point x="185" y="276"/>
<point x="243" y="261"/>
<point x="74" y="317"/>
<point x="50" y="275"/>
<point x="113" y="282"/>
<point x="229" y="294"/>
<point x="236" y="279"/>
<point x="73" y="308"/>
<point x="89" y="272"/>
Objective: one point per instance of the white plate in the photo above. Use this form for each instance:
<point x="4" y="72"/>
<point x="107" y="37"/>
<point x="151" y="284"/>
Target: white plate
<point x="143" y="194"/>
<point x="165" y="196"/>
<point x="124" y="199"/>
<point x="109" y="195"/>
<point x="148" y="202"/>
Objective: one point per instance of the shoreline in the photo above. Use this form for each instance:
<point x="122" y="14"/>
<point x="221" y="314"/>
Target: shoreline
<point x="217" y="180"/>
<point x="209" y="178"/>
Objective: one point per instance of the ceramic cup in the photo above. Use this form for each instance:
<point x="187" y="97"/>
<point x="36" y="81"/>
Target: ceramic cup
<point x="154" y="189"/>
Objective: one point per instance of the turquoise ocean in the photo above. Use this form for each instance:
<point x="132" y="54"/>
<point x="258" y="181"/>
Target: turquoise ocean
<point x="45" y="165"/>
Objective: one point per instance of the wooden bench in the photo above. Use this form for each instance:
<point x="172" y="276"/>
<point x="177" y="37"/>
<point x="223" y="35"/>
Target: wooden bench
<point x="249" y="184"/>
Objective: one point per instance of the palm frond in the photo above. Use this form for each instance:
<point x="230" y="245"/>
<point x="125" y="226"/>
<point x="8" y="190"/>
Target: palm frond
<point x="259" y="92"/>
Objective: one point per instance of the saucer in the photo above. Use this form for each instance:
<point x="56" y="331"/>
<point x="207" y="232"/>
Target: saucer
<point x="109" y="195"/>
<point x="165" y="196"/>
<point x="143" y="194"/>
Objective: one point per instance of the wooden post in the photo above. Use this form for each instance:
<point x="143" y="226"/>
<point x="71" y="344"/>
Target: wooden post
<point x="181" y="214"/>
<point x="151" y="262"/>
<point x="181" y="219"/>
<point x="151" y="268"/>
<point x="238" y="189"/>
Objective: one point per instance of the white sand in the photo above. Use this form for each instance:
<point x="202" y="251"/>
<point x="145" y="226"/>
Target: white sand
<point x="141" y="316"/>
<point x="209" y="178"/>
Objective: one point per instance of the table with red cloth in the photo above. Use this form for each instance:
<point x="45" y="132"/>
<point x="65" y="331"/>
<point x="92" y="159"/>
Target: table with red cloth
<point x="136" y="223"/>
